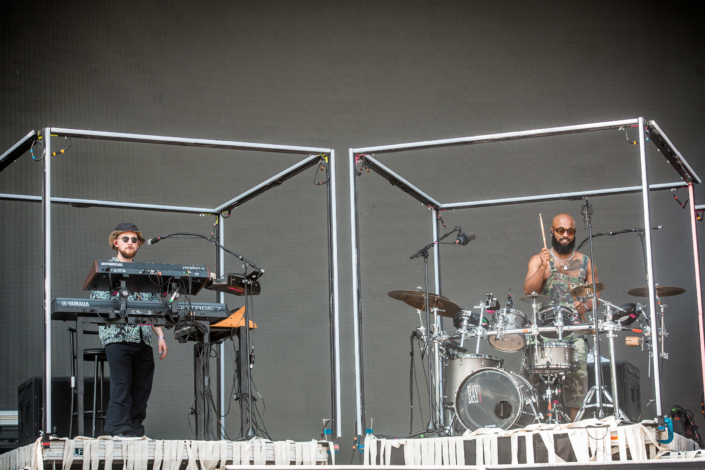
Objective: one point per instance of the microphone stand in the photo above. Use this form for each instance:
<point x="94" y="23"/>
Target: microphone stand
<point x="599" y="389"/>
<point x="434" y="424"/>
<point x="253" y="276"/>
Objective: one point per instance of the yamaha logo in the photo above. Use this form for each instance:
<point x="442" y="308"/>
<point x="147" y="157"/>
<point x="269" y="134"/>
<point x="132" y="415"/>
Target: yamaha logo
<point x="69" y="303"/>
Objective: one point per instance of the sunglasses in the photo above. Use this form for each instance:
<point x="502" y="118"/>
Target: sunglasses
<point x="127" y="239"/>
<point x="561" y="231"/>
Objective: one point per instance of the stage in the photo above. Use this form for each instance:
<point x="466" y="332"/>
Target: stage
<point x="589" y="443"/>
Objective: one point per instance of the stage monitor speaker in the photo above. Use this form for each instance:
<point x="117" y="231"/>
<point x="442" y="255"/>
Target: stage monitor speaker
<point x="628" y="386"/>
<point x="30" y="397"/>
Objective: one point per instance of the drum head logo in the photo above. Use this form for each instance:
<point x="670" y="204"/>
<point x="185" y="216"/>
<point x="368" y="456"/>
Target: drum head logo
<point x="474" y="394"/>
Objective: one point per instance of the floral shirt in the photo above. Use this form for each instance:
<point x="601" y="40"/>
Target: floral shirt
<point x="124" y="333"/>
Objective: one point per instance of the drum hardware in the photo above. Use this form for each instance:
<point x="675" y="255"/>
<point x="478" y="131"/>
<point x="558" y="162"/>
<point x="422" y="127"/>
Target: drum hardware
<point x="611" y="328"/>
<point x="554" y="389"/>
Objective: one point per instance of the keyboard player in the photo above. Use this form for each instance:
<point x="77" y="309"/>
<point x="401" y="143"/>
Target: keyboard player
<point x="129" y="349"/>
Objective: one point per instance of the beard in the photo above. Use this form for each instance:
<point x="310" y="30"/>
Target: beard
<point x="128" y="254"/>
<point x="560" y="248"/>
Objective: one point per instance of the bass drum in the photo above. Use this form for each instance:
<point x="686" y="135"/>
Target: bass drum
<point x="512" y="319"/>
<point x="493" y="398"/>
<point x="459" y="368"/>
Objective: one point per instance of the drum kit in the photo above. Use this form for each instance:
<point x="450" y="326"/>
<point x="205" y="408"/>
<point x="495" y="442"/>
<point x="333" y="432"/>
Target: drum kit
<point x="470" y="390"/>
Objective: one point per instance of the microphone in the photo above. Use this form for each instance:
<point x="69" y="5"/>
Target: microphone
<point x="152" y="241"/>
<point x="464" y="238"/>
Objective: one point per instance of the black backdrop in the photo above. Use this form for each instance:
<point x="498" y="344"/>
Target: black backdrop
<point x="343" y="74"/>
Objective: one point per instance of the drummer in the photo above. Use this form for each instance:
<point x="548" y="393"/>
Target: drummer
<point x="552" y="273"/>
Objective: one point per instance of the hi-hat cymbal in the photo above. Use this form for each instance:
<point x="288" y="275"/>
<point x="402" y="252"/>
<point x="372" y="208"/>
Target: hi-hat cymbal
<point x="661" y="291"/>
<point x="417" y="300"/>
<point x="584" y="289"/>
<point x="538" y="297"/>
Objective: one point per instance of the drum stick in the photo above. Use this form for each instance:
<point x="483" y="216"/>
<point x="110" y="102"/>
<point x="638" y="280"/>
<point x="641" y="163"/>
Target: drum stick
<point x="543" y="232"/>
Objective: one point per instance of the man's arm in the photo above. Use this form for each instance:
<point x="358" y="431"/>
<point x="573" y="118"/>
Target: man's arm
<point x="534" y="276"/>
<point x="163" y="348"/>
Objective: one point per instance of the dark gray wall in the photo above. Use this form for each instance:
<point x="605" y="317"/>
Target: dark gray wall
<point x="343" y="74"/>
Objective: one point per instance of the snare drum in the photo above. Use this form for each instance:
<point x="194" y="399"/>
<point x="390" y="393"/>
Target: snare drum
<point x="512" y="319"/>
<point x="459" y="368"/>
<point x="551" y="357"/>
<point x="547" y="317"/>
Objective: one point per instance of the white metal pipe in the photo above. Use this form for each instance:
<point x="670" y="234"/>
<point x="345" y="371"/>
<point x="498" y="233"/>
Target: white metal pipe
<point x="500" y="137"/>
<point x="47" y="281"/>
<point x="224" y="144"/>
<point x="269" y="181"/>
<point x="221" y="299"/>
<point x="650" y="265"/>
<point x="678" y="155"/>
<point x="336" y="303"/>
<point x="436" y="252"/>
<point x="356" y="326"/>
<point x="556" y="196"/>
<point x="397" y="176"/>
<point x="114" y="204"/>
<point x="698" y="283"/>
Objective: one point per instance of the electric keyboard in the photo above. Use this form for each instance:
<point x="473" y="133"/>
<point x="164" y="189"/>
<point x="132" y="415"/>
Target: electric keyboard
<point x="69" y="309"/>
<point x="153" y="278"/>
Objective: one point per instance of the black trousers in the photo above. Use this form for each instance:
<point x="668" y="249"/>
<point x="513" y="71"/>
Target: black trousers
<point x="131" y="374"/>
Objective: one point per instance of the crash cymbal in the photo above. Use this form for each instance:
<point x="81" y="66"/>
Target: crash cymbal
<point x="661" y="291"/>
<point x="539" y="298"/>
<point x="417" y="300"/>
<point x="584" y="289"/>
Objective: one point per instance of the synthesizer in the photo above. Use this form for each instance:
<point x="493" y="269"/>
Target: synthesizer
<point x="69" y="309"/>
<point x="152" y="278"/>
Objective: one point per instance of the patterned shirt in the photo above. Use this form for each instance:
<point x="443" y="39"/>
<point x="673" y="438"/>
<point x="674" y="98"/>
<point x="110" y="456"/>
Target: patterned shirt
<point x="124" y="333"/>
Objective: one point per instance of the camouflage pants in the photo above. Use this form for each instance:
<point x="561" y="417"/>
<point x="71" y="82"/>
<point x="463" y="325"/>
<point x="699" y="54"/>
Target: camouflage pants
<point x="575" y="385"/>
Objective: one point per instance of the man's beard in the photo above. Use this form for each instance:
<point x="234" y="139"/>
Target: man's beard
<point x="561" y="249"/>
<point x="128" y="255"/>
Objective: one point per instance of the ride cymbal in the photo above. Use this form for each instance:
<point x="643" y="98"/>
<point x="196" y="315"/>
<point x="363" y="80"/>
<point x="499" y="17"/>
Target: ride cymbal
<point x="661" y="291"/>
<point x="417" y="300"/>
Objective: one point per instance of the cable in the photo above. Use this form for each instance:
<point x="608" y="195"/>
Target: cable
<point x="321" y="167"/>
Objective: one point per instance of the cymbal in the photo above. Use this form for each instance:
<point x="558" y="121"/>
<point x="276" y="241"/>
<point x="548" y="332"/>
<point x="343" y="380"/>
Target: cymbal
<point x="417" y="300"/>
<point x="661" y="291"/>
<point x="584" y="289"/>
<point x="539" y="298"/>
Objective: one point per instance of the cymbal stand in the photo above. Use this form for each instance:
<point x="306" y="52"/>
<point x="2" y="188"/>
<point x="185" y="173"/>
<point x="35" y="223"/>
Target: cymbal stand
<point x="612" y="328"/>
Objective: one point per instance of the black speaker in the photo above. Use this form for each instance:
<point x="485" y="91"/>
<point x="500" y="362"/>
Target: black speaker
<point x="30" y="397"/>
<point x="628" y="386"/>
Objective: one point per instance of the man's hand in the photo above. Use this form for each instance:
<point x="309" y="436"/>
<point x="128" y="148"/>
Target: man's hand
<point x="580" y="307"/>
<point x="163" y="348"/>
<point x="545" y="257"/>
